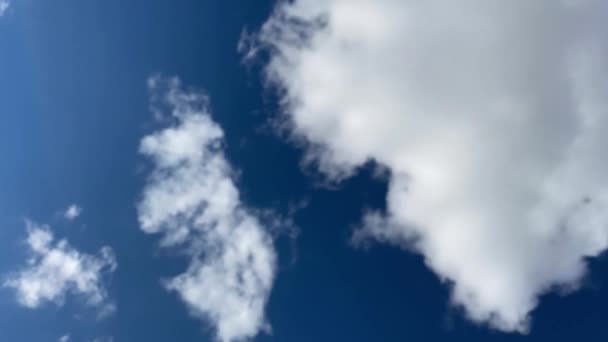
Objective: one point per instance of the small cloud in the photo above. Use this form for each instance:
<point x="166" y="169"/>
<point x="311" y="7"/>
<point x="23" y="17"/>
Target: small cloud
<point x="55" y="269"/>
<point x="64" y="338"/>
<point x="72" y="212"/>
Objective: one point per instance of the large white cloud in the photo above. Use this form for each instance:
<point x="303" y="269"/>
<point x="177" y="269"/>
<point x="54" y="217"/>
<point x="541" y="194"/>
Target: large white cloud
<point x="193" y="201"/>
<point x="491" y="117"/>
<point x="56" y="269"/>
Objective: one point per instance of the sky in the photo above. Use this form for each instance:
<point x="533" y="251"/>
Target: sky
<point x="344" y="170"/>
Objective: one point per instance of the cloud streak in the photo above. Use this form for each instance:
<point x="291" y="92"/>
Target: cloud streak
<point x="191" y="199"/>
<point x="490" y="117"/>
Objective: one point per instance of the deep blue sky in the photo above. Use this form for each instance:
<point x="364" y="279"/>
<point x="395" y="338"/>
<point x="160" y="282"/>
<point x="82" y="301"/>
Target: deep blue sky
<point x="73" y="107"/>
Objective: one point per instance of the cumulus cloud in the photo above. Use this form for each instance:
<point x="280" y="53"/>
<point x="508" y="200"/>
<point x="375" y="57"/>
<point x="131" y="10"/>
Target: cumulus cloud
<point x="491" y="117"/>
<point x="56" y="269"/>
<point x="192" y="200"/>
<point x="4" y="5"/>
<point x="72" y="212"/>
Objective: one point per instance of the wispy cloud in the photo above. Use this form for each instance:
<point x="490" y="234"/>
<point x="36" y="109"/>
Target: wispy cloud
<point x="72" y="212"/>
<point x="64" y="338"/>
<point x="490" y="116"/>
<point x="192" y="200"/>
<point x="56" y="269"/>
<point x="104" y="339"/>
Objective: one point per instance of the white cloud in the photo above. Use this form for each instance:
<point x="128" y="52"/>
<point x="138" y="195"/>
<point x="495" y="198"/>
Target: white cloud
<point x="192" y="200"/>
<point x="56" y="269"/>
<point x="72" y="212"/>
<point x="64" y="338"/>
<point x="491" y="117"/>
<point x="4" y="5"/>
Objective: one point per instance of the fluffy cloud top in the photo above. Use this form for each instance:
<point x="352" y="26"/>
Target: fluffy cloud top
<point x="491" y="117"/>
<point x="72" y="212"/>
<point x="56" y="269"/>
<point x="192" y="200"/>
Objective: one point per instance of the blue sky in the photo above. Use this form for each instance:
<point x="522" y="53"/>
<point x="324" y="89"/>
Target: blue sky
<point x="360" y="153"/>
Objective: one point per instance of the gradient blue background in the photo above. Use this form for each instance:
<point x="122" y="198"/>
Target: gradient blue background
<point x="73" y="107"/>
